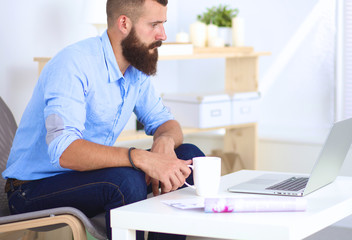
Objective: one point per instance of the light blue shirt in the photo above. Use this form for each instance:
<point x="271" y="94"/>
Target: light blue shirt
<point x="81" y="94"/>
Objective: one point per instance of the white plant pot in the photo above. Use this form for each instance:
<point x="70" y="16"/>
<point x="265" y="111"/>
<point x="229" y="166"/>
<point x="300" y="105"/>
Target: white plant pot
<point x="226" y="34"/>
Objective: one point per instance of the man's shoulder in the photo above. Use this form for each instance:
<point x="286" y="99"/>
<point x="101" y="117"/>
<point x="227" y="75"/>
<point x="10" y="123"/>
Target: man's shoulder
<point x="81" y="49"/>
<point x="78" y="54"/>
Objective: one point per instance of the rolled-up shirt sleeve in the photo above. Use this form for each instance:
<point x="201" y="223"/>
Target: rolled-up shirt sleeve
<point x="149" y="109"/>
<point x="65" y="109"/>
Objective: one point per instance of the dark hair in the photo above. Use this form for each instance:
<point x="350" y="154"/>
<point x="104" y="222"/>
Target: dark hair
<point x="130" y="8"/>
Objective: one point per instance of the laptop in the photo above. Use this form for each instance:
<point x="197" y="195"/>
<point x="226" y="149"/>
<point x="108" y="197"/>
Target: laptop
<point x="325" y="170"/>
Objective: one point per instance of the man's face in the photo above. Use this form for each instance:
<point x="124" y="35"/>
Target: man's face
<point x="140" y="46"/>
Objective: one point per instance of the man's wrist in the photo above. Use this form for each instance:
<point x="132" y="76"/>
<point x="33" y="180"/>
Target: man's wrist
<point x="137" y="156"/>
<point x="131" y="160"/>
<point x="166" y="140"/>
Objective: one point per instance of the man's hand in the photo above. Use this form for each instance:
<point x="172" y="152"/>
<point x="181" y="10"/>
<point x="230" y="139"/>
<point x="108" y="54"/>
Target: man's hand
<point x="175" y="171"/>
<point x="161" y="165"/>
<point x="170" y="172"/>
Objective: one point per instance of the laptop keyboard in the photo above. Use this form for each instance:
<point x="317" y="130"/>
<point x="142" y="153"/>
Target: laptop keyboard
<point x="291" y="184"/>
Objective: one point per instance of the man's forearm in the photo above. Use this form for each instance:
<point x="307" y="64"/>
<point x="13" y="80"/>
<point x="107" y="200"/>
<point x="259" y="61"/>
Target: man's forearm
<point x="161" y="163"/>
<point x="82" y="155"/>
<point x="172" y="130"/>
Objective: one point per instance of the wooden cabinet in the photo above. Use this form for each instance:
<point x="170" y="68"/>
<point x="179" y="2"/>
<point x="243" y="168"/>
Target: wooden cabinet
<point x="241" y="75"/>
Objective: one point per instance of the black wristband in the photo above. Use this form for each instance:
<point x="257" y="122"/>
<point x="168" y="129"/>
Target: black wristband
<point x="130" y="158"/>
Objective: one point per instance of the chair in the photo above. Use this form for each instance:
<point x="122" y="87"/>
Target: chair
<point x="44" y="220"/>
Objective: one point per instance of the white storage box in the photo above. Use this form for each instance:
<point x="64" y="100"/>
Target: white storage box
<point x="196" y="111"/>
<point x="245" y="107"/>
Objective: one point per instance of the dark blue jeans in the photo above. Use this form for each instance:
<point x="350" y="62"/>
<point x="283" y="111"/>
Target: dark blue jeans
<point x="92" y="192"/>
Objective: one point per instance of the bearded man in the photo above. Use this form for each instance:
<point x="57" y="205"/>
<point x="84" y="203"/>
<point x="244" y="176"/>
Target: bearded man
<point x="63" y="153"/>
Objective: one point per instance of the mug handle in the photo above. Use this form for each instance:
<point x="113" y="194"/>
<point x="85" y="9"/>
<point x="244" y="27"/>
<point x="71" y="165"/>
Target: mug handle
<point x="191" y="166"/>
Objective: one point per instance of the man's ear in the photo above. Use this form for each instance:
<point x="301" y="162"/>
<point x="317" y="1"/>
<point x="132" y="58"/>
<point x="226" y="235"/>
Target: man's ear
<point x="124" y="24"/>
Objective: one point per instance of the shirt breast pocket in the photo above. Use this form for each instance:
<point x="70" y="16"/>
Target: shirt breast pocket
<point x="101" y="117"/>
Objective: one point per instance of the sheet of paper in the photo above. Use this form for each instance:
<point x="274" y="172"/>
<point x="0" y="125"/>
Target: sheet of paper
<point x="190" y="203"/>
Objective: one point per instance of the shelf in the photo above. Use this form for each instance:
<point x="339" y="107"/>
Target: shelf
<point x="225" y="52"/>
<point x="213" y="55"/>
<point x="42" y="59"/>
<point x="202" y="53"/>
<point x="130" y="135"/>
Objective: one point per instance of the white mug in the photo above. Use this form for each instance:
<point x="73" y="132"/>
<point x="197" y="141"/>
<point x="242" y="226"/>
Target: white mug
<point x="206" y="175"/>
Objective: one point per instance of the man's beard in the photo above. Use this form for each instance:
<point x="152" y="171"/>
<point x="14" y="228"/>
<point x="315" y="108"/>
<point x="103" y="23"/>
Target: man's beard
<point x="138" y="54"/>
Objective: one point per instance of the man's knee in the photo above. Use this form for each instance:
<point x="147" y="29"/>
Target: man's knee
<point x="188" y="151"/>
<point x="128" y="182"/>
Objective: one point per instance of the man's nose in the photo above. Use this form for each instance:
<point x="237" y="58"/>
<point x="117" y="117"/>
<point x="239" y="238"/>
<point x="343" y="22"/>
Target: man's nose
<point x="161" y="35"/>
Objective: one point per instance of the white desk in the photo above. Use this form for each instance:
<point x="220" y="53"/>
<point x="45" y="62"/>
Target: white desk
<point x="325" y="207"/>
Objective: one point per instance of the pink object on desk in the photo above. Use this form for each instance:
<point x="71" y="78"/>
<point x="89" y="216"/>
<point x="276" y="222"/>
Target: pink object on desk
<point x="270" y="204"/>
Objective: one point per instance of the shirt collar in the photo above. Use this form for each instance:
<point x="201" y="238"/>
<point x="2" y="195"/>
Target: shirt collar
<point x="111" y="63"/>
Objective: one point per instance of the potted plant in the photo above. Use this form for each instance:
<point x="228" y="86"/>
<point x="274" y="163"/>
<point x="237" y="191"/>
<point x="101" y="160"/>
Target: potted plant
<point x="220" y="16"/>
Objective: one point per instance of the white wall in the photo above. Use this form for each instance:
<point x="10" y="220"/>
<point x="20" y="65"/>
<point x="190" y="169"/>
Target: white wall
<point x="31" y="29"/>
<point x="297" y="80"/>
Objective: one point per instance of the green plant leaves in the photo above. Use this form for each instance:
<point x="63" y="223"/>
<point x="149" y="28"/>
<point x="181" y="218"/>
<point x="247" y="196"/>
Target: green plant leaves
<point x="220" y="16"/>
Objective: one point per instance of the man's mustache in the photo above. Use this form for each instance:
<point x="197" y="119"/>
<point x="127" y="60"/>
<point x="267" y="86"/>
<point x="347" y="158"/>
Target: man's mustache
<point x="155" y="44"/>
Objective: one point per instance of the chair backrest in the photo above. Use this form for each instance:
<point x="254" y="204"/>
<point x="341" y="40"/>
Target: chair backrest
<point x="8" y="129"/>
